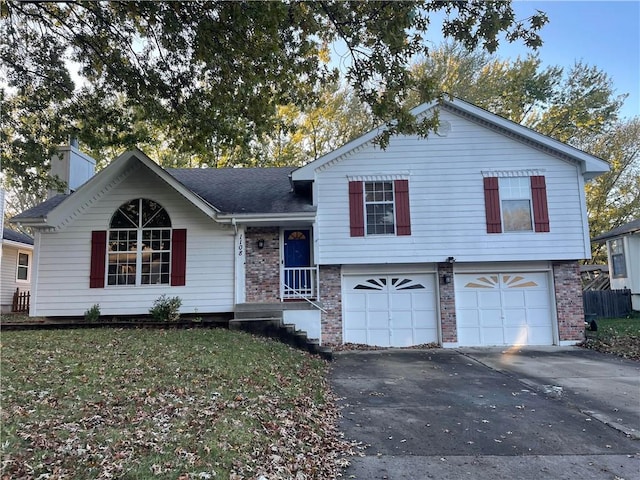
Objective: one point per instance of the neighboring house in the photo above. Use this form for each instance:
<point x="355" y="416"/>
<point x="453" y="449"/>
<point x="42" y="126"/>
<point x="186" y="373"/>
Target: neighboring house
<point x="16" y="259"/>
<point x="469" y="237"/>
<point x="623" y="253"/>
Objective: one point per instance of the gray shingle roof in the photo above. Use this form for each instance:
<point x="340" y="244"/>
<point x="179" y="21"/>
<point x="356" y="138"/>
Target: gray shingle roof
<point x="230" y="190"/>
<point x="631" y="227"/>
<point x="13" y="236"/>
<point x="42" y="209"/>
<point x="244" y="190"/>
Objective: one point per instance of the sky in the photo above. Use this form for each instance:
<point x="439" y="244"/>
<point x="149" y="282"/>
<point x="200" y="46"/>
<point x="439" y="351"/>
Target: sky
<point x="605" y="34"/>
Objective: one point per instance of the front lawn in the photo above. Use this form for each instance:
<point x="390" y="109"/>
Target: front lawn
<point x="620" y="336"/>
<point x="179" y="404"/>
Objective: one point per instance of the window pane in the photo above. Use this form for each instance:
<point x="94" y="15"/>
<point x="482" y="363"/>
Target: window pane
<point x="156" y="256"/>
<point x="380" y="219"/>
<point x="127" y="215"/>
<point x="513" y="188"/>
<point x="154" y="215"/>
<point x="516" y="215"/>
<point x="122" y="257"/>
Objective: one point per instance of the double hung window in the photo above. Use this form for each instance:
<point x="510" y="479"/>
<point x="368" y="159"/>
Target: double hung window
<point x="22" y="268"/>
<point x="618" y="264"/>
<point x="378" y="201"/>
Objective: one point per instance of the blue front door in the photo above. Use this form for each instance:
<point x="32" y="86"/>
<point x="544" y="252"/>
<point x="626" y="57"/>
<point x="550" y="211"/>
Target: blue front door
<point x="297" y="256"/>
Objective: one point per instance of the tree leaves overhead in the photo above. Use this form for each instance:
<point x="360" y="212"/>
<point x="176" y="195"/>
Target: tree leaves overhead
<point x="207" y="75"/>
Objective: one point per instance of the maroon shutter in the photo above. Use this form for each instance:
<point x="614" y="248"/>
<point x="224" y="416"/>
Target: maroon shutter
<point x="356" y="209"/>
<point x="98" y="255"/>
<point x="178" y="257"/>
<point x="403" y="216"/>
<point x="492" y="205"/>
<point x="540" y="210"/>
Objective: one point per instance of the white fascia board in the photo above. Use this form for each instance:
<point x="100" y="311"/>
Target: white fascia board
<point x="11" y="243"/>
<point x="267" y="218"/>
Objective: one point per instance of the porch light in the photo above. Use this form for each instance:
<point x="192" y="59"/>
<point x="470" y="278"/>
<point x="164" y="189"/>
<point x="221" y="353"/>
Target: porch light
<point x="446" y="279"/>
<point x="261" y="243"/>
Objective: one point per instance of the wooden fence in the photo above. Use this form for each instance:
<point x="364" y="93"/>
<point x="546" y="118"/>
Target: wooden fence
<point x="607" y="303"/>
<point x="21" y="301"/>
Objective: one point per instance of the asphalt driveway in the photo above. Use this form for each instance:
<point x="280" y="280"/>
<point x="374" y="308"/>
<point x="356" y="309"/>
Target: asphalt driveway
<point x="490" y="413"/>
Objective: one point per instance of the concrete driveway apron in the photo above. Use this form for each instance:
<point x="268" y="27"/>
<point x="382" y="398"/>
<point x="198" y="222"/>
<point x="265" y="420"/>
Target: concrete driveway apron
<point x="445" y="414"/>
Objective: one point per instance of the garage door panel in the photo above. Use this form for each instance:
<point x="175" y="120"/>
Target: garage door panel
<point x="492" y="336"/>
<point x="400" y="310"/>
<point x="540" y="336"/>
<point x="533" y="298"/>
<point x="489" y="299"/>
<point x="511" y="308"/>
<point x="467" y="299"/>
<point x="490" y="318"/>
<point x="468" y="318"/>
<point x="378" y="301"/>
<point x="517" y="336"/>
<point x="358" y="320"/>
<point x="513" y="299"/>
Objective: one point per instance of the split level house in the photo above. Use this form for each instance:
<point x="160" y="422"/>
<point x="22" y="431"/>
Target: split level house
<point x="469" y="237"/>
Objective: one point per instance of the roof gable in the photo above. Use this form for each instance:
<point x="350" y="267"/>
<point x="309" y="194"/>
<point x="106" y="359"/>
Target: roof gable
<point x="61" y="209"/>
<point x="590" y="165"/>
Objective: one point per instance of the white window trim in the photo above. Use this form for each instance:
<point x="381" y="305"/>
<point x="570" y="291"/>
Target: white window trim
<point x="504" y="198"/>
<point x="29" y="255"/>
<point x="392" y="203"/>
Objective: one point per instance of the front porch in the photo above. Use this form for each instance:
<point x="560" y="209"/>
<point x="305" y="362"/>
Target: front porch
<point x="279" y="266"/>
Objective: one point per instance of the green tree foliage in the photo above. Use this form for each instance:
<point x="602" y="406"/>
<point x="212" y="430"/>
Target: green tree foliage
<point x="202" y="81"/>
<point x="305" y="135"/>
<point x="613" y="199"/>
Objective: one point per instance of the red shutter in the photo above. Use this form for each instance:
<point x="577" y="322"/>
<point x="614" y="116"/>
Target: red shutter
<point x="403" y="216"/>
<point x="356" y="209"/>
<point x="178" y="257"/>
<point x="492" y="205"/>
<point x="98" y="255"/>
<point x="540" y="210"/>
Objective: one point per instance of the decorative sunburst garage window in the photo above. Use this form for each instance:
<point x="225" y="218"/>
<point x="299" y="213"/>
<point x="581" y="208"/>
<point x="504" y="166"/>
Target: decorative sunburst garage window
<point x="509" y="281"/>
<point x="397" y="283"/>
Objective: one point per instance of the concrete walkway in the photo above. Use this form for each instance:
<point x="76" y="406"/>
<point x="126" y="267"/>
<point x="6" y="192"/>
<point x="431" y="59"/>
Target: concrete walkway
<point x="490" y="413"/>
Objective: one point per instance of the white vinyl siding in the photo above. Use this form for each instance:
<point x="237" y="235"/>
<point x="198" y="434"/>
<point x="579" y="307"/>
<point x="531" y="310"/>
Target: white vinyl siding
<point x="447" y="201"/>
<point x="66" y="256"/>
<point x="8" y="276"/>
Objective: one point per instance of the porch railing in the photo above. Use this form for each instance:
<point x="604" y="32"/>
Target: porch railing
<point x="300" y="282"/>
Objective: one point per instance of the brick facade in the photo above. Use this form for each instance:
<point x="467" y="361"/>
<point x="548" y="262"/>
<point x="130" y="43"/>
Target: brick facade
<point x="330" y="291"/>
<point x="262" y="270"/>
<point x="447" y="304"/>
<point x="568" y="292"/>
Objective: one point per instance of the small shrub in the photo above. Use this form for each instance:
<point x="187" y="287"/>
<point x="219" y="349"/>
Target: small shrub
<point x="166" y="309"/>
<point x="93" y="313"/>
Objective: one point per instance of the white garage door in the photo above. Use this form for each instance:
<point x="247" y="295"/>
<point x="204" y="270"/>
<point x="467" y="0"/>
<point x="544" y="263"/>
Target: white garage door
<point x="503" y="309"/>
<point x="390" y="310"/>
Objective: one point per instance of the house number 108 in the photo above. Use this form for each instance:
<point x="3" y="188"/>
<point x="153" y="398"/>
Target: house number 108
<point x="240" y="246"/>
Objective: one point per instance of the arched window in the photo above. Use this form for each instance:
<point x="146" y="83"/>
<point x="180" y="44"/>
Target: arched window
<point x="139" y="244"/>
